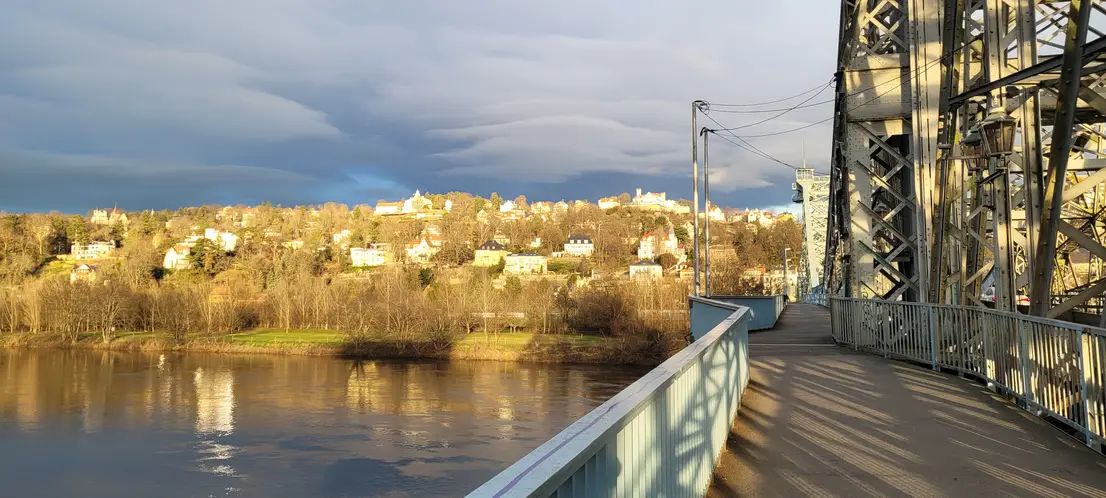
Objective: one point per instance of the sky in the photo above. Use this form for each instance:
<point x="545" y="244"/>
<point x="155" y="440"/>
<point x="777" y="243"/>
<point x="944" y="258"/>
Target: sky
<point x="150" y="105"/>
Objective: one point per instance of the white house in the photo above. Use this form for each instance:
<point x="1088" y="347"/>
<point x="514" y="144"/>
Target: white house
<point x="579" y="245"/>
<point x="377" y="255"/>
<point x="84" y="272"/>
<point x="507" y="206"/>
<point x="656" y="242"/>
<point x="176" y="258"/>
<point x="715" y="214"/>
<point x="420" y="251"/>
<point x="385" y="208"/>
<point x="645" y="269"/>
<point x="524" y="263"/>
<point x="650" y="200"/>
<point x="93" y="250"/>
<point x="416" y="204"/>
<point x="609" y="203"/>
<point x="105" y="217"/>
<point x="341" y="239"/>
<point x="227" y="241"/>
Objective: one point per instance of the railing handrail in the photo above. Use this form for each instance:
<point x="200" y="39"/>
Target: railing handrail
<point x="541" y="471"/>
<point x="1049" y="366"/>
<point x="1052" y="322"/>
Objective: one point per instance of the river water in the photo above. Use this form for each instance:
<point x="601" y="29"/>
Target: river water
<point x="90" y="423"/>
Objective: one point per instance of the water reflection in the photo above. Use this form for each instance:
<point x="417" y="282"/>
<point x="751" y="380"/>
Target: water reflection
<point x="214" y="401"/>
<point x="188" y="425"/>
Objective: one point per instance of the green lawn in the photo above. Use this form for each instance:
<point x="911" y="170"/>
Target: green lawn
<point x="506" y="340"/>
<point x="520" y="340"/>
<point x="273" y="337"/>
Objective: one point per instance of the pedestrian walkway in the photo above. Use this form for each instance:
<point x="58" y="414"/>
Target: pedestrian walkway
<point x="822" y="420"/>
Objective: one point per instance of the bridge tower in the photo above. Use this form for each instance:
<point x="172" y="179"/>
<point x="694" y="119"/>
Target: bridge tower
<point x="812" y="190"/>
<point x="969" y="154"/>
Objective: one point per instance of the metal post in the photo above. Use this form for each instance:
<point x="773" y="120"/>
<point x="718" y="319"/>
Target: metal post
<point x="706" y="218"/>
<point x="786" y="284"/>
<point x="1066" y="99"/>
<point x="932" y="312"/>
<point x="1023" y="363"/>
<point x="695" y="194"/>
<point x="1085" y="426"/>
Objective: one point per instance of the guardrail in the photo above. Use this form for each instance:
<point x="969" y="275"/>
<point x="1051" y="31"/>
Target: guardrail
<point x="766" y="309"/>
<point x="661" y="436"/>
<point x="1051" y="366"/>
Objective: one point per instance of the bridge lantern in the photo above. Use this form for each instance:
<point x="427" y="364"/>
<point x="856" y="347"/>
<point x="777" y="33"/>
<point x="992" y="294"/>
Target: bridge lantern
<point x="998" y="133"/>
<point x="972" y="150"/>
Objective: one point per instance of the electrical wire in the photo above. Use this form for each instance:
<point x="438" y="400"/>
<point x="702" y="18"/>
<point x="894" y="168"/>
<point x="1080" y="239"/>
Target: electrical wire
<point x="755" y="111"/>
<point x="758" y="104"/>
<point x="909" y="78"/>
<point x="780" y="114"/>
<point x="755" y="150"/>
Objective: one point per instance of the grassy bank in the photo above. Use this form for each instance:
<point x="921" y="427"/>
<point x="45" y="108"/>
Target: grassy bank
<point x="505" y="346"/>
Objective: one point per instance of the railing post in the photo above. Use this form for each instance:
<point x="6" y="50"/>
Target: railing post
<point x="931" y="313"/>
<point x="1092" y="356"/>
<point x="1084" y="399"/>
<point x="1023" y="362"/>
<point x="884" y="326"/>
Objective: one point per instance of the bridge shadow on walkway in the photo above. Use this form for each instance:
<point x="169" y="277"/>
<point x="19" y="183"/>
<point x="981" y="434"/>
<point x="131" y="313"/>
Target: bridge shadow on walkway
<point x="821" y="420"/>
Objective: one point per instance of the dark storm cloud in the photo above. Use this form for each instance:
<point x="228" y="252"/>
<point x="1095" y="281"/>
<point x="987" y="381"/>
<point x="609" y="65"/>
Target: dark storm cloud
<point x="163" y="104"/>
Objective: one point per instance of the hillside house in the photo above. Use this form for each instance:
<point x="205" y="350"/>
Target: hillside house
<point x="526" y="263"/>
<point x="656" y="242"/>
<point x="646" y="270"/>
<point x="416" y="204"/>
<point x="653" y="201"/>
<point x="106" y="217"/>
<point x="579" y="245"/>
<point x="227" y="241"/>
<point x="84" y="272"/>
<point x="385" y="208"/>
<point x="490" y="253"/>
<point x="176" y="258"/>
<point x="96" y="249"/>
<point x="376" y="255"/>
<point x="420" y="251"/>
<point x="609" y="203"/>
<point x="341" y="239"/>
<point x="715" y="214"/>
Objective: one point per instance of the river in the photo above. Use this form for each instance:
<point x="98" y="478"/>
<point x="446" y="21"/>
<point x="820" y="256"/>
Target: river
<point x="92" y="423"/>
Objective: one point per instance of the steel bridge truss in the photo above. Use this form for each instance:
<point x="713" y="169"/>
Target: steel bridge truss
<point x="921" y="209"/>
<point x="812" y="190"/>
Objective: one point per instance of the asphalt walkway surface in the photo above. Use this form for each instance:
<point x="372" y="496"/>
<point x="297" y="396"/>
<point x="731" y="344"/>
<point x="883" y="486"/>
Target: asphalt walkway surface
<point x="822" y="420"/>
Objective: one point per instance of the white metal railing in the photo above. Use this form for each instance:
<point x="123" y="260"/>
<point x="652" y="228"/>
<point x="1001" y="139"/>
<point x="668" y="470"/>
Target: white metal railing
<point x="1053" y="367"/>
<point x="661" y="436"/>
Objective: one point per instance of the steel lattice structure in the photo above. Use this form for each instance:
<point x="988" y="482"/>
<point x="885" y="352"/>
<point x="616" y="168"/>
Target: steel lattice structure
<point x="812" y="190"/>
<point x="930" y="198"/>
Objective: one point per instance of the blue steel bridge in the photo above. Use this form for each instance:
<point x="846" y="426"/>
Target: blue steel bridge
<point x="857" y="398"/>
<point x="954" y="255"/>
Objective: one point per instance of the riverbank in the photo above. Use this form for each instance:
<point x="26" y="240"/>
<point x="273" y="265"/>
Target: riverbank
<point x="505" y="346"/>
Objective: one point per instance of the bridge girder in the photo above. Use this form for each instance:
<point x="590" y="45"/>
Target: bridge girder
<point x="914" y="213"/>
